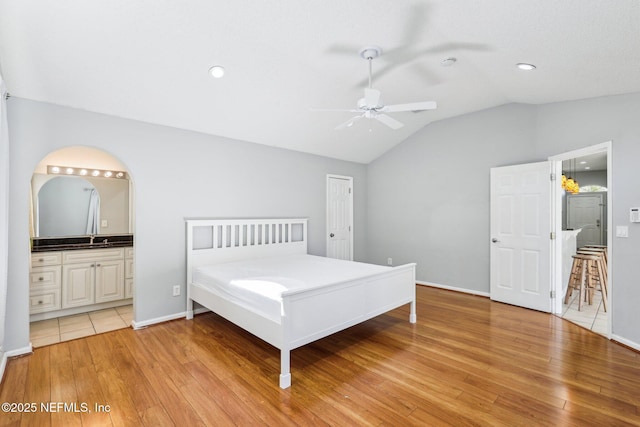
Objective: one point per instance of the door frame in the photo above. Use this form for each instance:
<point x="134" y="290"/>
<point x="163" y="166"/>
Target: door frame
<point x="556" y="223"/>
<point x="350" y="179"/>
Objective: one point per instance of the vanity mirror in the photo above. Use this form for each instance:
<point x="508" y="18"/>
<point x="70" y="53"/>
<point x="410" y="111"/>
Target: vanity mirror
<point x="76" y="206"/>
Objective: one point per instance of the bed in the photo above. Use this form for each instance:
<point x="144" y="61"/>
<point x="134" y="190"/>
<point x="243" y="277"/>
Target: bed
<point x="257" y="274"/>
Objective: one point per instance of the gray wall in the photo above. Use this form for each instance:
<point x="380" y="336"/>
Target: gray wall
<point x="567" y="126"/>
<point x="176" y="174"/>
<point x="429" y="196"/>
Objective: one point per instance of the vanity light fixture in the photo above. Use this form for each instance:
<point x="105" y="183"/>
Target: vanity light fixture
<point x="58" y="170"/>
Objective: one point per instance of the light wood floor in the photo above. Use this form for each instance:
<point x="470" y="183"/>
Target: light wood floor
<point x="468" y="361"/>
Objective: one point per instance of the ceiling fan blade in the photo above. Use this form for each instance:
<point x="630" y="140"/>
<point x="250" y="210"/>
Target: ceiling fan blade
<point x="349" y="122"/>
<point x="415" y="106"/>
<point x="392" y="123"/>
<point x="372" y="97"/>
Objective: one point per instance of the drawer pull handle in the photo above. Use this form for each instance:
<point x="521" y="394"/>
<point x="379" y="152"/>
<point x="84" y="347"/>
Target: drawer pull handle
<point x="98" y="265"/>
<point x="41" y="278"/>
<point x="41" y="260"/>
<point x="39" y="302"/>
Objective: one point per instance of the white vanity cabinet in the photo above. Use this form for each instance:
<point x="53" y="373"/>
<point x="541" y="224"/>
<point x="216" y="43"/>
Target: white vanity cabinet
<point x="75" y="278"/>
<point x="128" y="272"/>
<point x="92" y="276"/>
<point x="44" y="282"/>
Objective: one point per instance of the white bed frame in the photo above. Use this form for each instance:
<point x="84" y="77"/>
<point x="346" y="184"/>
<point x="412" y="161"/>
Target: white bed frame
<point x="309" y="314"/>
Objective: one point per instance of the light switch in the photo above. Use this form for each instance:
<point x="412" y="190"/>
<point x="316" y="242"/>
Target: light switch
<point x="622" y="231"/>
<point x="104" y="223"/>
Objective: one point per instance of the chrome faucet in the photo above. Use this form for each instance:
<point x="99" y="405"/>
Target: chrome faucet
<point x="91" y="237"/>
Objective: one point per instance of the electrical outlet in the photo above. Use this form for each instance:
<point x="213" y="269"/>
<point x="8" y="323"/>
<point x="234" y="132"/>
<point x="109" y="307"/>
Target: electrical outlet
<point x="176" y="290"/>
<point x="389" y="261"/>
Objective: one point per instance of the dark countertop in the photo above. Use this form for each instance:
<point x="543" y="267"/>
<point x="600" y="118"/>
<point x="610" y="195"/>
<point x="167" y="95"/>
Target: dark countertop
<point x="48" y="244"/>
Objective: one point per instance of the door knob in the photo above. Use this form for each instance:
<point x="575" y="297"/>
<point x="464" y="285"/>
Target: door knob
<point x="331" y="235"/>
<point x="494" y="240"/>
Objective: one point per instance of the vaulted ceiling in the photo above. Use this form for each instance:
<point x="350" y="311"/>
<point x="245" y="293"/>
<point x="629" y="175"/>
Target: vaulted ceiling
<point x="148" y="60"/>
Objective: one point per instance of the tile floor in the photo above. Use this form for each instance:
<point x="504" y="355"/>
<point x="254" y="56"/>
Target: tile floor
<point x="592" y="316"/>
<point x="45" y="332"/>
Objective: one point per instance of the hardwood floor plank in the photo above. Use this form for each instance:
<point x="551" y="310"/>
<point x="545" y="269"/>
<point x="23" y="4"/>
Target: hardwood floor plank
<point x="468" y="361"/>
<point x="38" y="388"/>
<point x="156" y="416"/>
<point x="12" y="388"/>
<point x="63" y="387"/>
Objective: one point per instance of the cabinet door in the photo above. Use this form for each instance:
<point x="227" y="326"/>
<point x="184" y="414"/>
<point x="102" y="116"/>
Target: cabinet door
<point x="128" y="288"/>
<point x="78" y="284"/>
<point x="109" y="281"/>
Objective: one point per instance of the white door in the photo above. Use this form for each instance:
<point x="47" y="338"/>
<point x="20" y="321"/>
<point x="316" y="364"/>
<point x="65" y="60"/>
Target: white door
<point x="339" y="217"/>
<point x="520" y="255"/>
<point x="585" y="211"/>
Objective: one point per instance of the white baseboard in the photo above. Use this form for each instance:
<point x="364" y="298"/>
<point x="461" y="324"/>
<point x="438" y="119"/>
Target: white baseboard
<point x="453" y="288"/>
<point x="149" y="322"/>
<point x="7" y="354"/>
<point x="628" y="343"/>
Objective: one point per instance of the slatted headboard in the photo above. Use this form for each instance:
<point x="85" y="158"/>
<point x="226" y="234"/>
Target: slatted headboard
<point x="213" y="241"/>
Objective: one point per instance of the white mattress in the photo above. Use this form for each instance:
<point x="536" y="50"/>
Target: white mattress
<point x="258" y="284"/>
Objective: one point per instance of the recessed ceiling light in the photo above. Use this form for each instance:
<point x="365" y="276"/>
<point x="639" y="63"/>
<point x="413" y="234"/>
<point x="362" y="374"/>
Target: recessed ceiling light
<point x="587" y="167"/>
<point x="525" y="66"/>
<point x="217" y="71"/>
<point x="583" y="162"/>
<point x="448" y="62"/>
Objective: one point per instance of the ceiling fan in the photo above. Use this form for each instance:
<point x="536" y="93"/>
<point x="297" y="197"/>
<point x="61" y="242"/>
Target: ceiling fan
<point x="372" y="107"/>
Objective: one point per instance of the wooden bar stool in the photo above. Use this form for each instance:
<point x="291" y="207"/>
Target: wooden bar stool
<point x="602" y="248"/>
<point x="597" y="270"/>
<point x="581" y="278"/>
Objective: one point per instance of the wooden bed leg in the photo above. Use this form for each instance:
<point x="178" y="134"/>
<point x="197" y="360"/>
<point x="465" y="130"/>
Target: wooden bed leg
<point x="189" y="309"/>
<point x="412" y="316"/>
<point x="285" y="374"/>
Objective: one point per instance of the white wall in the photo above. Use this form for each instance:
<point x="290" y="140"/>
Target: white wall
<point x="429" y="196"/>
<point x="176" y="174"/>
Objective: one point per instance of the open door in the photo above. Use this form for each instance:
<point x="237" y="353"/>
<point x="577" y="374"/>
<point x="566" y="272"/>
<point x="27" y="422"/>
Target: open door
<point x="520" y="272"/>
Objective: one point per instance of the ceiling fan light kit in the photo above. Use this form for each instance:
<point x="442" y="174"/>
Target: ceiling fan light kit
<point x="371" y="105"/>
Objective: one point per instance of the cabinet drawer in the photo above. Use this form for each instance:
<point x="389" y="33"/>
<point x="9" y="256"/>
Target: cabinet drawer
<point x="128" y="252"/>
<point x="40" y="302"/>
<point x="46" y="258"/>
<point x="41" y="277"/>
<point x="89" y="255"/>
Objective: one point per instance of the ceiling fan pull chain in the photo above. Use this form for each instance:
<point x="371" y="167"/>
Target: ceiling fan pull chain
<point x="370" y="61"/>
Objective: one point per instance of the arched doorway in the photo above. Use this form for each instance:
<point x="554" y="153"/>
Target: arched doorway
<point x="82" y="245"/>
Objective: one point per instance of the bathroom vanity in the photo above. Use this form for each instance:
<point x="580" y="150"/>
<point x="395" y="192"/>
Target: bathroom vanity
<point x="71" y="275"/>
